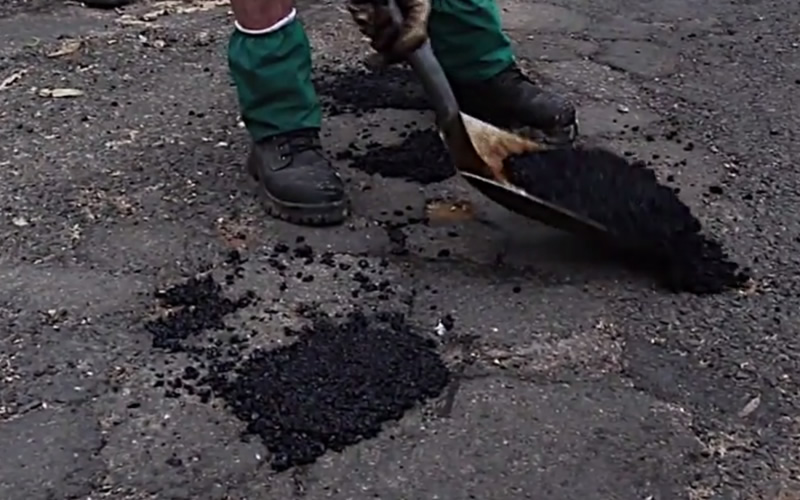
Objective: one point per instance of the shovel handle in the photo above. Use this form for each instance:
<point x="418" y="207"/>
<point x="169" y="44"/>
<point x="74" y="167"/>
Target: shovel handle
<point x="432" y="76"/>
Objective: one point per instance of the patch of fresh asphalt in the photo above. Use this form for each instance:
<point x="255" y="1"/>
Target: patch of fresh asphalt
<point x="577" y="379"/>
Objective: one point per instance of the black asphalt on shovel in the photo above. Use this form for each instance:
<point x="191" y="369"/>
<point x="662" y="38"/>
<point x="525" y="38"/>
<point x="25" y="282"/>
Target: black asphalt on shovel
<point x="479" y="149"/>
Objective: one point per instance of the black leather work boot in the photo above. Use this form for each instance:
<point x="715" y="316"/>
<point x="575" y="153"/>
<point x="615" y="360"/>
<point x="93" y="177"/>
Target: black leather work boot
<point x="297" y="182"/>
<point x="512" y="101"/>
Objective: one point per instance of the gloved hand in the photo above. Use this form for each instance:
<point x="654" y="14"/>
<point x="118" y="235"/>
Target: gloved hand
<point x="391" y="40"/>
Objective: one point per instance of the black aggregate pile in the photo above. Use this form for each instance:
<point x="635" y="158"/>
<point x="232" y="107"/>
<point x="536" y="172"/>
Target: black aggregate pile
<point x="335" y="386"/>
<point x="360" y="90"/>
<point x="199" y="306"/>
<point x="656" y="230"/>
<point x="421" y="157"/>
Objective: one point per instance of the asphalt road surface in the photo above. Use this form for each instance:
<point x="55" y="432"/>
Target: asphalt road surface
<point x="572" y="378"/>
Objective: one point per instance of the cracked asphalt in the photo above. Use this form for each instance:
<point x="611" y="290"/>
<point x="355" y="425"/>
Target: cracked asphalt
<point x="580" y="379"/>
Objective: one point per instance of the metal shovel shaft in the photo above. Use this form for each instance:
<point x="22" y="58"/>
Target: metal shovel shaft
<point x="440" y="94"/>
<point x="430" y="72"/>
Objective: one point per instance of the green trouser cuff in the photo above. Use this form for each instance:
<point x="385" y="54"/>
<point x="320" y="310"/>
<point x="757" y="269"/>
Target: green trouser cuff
<point x="468" y="39"/>
<point x="272" y="73"/>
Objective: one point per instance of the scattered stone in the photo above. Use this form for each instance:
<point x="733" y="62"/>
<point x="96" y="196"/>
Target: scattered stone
<point x="335" y="386"/>
<point x="194" y="306"/>
<point x="421" y="158"/>
<point x="363" y="90"/>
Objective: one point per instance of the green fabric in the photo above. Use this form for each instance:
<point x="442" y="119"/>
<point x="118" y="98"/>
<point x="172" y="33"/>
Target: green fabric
<point x="272" y="74"/>
<point x="468" y="39"/>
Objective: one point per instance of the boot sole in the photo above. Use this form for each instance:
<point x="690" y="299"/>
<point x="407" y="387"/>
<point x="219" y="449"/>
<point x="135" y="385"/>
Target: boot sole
<point x="327" y="214"/>
<point x="330" y="214"/>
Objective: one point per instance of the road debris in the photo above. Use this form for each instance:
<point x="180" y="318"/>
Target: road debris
<point x="750" y="407"/>
<point x="11" y="80"/>
<point x="67" y="47"/>
<point x="20" y="221"/>
<point x="60" y="93"/>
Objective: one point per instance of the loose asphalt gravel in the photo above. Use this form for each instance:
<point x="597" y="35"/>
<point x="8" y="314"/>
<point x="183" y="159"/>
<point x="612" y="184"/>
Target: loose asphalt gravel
<point x="163" y="339"/>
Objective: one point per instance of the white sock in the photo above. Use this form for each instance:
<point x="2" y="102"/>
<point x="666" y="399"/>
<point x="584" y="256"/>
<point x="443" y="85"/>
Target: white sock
<point x="269" y="29"/>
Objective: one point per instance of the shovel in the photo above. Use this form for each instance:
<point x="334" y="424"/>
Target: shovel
<point x="479" y="149"/>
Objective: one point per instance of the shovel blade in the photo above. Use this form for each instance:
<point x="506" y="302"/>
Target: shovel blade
<point x="480" y="148"/>
<point x="527" y="205"/>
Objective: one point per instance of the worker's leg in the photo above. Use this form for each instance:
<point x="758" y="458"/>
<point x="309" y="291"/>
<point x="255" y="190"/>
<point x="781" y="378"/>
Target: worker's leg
<point x="270" y="62"/>
<point x="468" y="39"/>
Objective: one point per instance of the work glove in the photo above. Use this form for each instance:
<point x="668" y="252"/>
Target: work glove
<point x="391" y="40"/>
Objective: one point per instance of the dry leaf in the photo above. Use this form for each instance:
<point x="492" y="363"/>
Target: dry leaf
<point x="449" y="211"/>
<point x="168" y="7"/>
<point x="19" y="221"/>
<point x="58" y="93"/>
<point x="68" y="47"/>
<point x="128" y="20"/>
<point x="12" y="79"/>
<point x="152" y="16"/>
<point x="750" y="407"/>
<point x="202" y="6"/>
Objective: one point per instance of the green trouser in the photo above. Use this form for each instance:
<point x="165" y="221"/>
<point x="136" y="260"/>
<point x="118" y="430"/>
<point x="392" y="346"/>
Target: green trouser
<point x="272" y="72"/>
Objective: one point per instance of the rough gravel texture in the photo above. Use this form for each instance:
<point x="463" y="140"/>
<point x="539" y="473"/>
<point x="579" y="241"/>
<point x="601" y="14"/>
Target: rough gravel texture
<point x="360" y="90"/>
<point x="421" y="157"/>
<point x="197" y="305"/>
<point x="333" y="387"/>
<point x="570" y="377"/>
